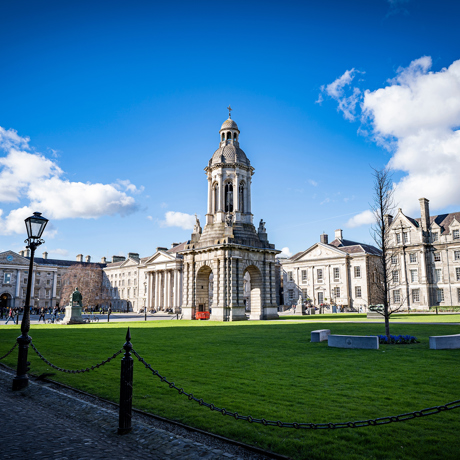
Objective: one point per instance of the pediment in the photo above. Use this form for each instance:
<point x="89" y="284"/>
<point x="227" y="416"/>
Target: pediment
<point x="455" y="223"/>
<point x="160" y="257"/>
<point x="11" y="258"/>
<point x="130" y="263"/>
<point x="401" y="219"/>
<point x="320" y="251"/>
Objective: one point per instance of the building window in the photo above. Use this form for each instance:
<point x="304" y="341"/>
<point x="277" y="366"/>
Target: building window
<point x="456" y="234"/>
<point x="291" y="294"/>
<point x="48" y="282"/>
<point x="412" y="258"/>
<point x="456" y="255"/>
<point x="37" y="281"/>
<point x="25" y="280"/>
<point x="440" y="295"/>
<point x="415" y="295"/>
<point x="320" y="297"/>
<point x="336" y="274"/>
<point x="457" y="273"/>
<point x="395" y="276"/>
<point x="357" y="272"/>
<point x="319" y="275"/>
<point x="304" y="276"/>
<point x="24" y="292"/>
<point x="397" y="296"/>
<point x="134" y="292"/>
<point x="336" y="292"/>
<point x="7" y="278"/>
<point x="290" y="276"/>
<point x="398" y="238"/>
<point x="135" y="281"/>
<point x="437" y="275"/>
<point x="47" y="293"/>
<point x="413" y="276"/>
<point x="128" y="292"/>
<point x="406" y="237"/>
<point x="358" y="292"/>
<point x="145" y="289"/>
<point x="394" y="260"/>
<point x="437" y="257"/>
<point x="458" y="295"/>
<point x="434" y="237"/>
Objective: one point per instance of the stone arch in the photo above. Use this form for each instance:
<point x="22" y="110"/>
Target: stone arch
<point x="223" y="136"/>
<point x="229" y="135"/>
<point x="204" y="288"/>
<point x="234" y="136"/>
<point x="255" y="289"/>
<point x="6" y="301"/>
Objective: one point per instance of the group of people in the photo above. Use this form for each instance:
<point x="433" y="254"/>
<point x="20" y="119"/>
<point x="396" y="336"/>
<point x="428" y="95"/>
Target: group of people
<point x="12" y="314"/>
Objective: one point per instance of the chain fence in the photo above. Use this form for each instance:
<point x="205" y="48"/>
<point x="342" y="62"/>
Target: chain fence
<point x="299" y="425"/>
<point x="14" y="346"/>
<point x="75" y="371"/>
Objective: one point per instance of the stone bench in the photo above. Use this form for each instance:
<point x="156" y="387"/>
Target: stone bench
<point x="445" y="342"/>
<point x="354" y="341"/>
<point x="320" y="335"/>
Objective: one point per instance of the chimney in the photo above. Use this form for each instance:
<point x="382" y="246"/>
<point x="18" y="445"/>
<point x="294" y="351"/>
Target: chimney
<point x="45" y="255"/>
<point x="173" y="245"/>
<point x="387" y="219"/>
<point x="133" y="255"/>
<point x="324" y="238"/>
<point x="21" y="253"/>
<point x="159" y="248"/>
<point x="118" y="259"/>
<point x="88" y="259"/>
<point x="425" y="214"/>
<point x="80" y="258"/>
<point x="338" y="234"/>
<point x="27" y="252"/>
<point x="103" y="260"/>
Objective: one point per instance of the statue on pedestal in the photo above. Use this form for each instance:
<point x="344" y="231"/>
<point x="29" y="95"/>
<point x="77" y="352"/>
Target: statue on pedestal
<point x="73" y="310"/>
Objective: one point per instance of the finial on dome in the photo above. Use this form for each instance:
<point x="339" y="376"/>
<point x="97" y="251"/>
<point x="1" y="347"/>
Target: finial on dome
<point x="229" y="112"/>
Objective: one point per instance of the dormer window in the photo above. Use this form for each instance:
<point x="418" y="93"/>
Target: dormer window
<point x="456" y="234"/>
<point x="398" y="238"/>
<point x="434" y="236"/>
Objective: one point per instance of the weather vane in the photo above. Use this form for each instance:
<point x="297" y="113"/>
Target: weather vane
<point x="229" y="112"/>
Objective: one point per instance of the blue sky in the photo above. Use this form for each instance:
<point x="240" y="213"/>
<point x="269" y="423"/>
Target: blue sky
<point x="109" y="111"/>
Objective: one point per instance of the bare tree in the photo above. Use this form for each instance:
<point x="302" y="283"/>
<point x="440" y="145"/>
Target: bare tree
<point x="88" y="279"/>
<point x="383" y="207"/>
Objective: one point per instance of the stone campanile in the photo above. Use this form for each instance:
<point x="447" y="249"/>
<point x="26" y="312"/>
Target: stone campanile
<point x="229" y="248"/>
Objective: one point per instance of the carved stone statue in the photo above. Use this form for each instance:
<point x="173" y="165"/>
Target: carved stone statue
<point x="197" y="227"/>
<point x="300" y="301"/>
<point x="76" y="297"/>
<point x="229" y="220"/>
<point x="262" y="226"/>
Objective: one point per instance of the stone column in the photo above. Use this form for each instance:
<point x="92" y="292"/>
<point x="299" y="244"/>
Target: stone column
<point x="236" y="195"/>
<point x="181" y="286"/>
<point x="221" y="193"/>
<point x="249" y="208"/>
<point x="53" y="294"/>
<point x="209" y="195"/>
<point x="165" y="290"/>
<point x="18" y="282"/>
<point x="155" y="289"/>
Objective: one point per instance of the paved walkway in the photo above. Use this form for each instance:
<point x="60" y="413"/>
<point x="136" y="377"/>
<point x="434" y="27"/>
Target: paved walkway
<point x="45" y="421"/>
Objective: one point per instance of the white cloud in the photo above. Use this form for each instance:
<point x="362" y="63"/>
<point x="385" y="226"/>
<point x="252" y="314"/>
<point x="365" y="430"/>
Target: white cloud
<point x="59" y="252"/>
<point x="363" y="218"/>
<point x="326" y="200"/>
<point x="149" y="217"/>
<point x="178" y="219"/>
<point x="336" y="90"/>
<point x="285" y="252"/>
<point x="31" y="177"/>
<point x="416" y="117"/>
<point x="312" y="182"/>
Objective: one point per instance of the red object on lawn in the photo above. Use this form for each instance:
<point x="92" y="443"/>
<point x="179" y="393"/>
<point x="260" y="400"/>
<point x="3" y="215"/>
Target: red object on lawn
<point x="202" y="315"/>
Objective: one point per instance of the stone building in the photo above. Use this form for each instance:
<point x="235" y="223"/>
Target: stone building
<point x="224" y="269"/>
<point x="46" y="278"/>
<point x="424" y="260"/>
<point x="343" y="272"/>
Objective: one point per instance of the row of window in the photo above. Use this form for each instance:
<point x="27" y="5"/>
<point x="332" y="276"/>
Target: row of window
<point x="335" y="293"/>
<point x="437" y="278"/>
<point x="434" y="236"/>
<point x="122" y="275"/>
<point x="413" y="257"/>
<point x="320" y="274"/>
<point x="415" y="294"/>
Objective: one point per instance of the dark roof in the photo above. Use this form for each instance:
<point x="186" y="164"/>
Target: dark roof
<point x="443" y="220"/>
<point x="179" y="247"/>
<point x="352" y="247"/>
<point x="65" y="263"/>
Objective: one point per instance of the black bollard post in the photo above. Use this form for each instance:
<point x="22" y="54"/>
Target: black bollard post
<point x="126" y="388"/>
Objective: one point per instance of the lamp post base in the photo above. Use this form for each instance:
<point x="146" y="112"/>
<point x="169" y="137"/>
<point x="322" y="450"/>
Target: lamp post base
<point x="19" y="383"/>
<point x="21" y="380"/>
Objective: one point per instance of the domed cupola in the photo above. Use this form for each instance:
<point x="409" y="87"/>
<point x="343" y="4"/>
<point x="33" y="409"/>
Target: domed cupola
<point x="229" y="131"/>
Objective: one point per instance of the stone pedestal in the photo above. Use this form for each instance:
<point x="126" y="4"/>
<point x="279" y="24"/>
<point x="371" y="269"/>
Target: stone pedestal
<point x="72" y="315"/>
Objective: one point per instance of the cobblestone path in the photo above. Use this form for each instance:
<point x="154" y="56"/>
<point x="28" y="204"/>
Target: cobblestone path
<point x="46" y="422"/>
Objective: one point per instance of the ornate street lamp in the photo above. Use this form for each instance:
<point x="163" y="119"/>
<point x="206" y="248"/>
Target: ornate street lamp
<point x="35" y="225"/>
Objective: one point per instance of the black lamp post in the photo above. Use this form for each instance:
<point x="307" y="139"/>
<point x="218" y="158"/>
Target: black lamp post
<point x="35" y="225"/>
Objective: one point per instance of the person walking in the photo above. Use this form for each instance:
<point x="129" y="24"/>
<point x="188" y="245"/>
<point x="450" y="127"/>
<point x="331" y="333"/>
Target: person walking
<point x="42" y="314"/>
<point x="10" y="316"/>
<point x="109" y="312"/>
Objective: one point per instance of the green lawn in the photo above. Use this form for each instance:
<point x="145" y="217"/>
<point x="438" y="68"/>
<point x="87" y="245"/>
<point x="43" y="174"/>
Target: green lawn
<point x="411" y="318"/>
<point x="271" y="370"/>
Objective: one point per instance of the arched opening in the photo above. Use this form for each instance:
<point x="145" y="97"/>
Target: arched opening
<point x="247" y="292"/>
<point x="223" y="136"/>
<point x="234" y="136"/>
<point x="6" y="301"/>
<point x="241" y="197"/>
<point x="228" y="197"/>
<point x="216" y="197"/>
<point x="229" y="136"/>
<point x="204" y="290"/>
<point x="253" y="284"/>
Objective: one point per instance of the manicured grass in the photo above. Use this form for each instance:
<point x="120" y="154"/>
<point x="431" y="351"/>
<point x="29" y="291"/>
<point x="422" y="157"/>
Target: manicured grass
<point x="271" y="370"/>
<point x="411" y="318"/>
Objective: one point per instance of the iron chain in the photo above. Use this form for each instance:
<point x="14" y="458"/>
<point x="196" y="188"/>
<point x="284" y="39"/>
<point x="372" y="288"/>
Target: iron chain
<point x="308" y="426"/>
<point x="4" y="356"/>
<point x="76" y="371"/>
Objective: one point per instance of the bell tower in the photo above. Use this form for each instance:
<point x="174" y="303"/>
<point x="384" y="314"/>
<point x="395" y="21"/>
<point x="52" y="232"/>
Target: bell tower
<point x="217" y="257"/>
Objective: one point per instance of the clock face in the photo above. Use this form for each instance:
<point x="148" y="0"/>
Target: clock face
<point x="9" y="258"/>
